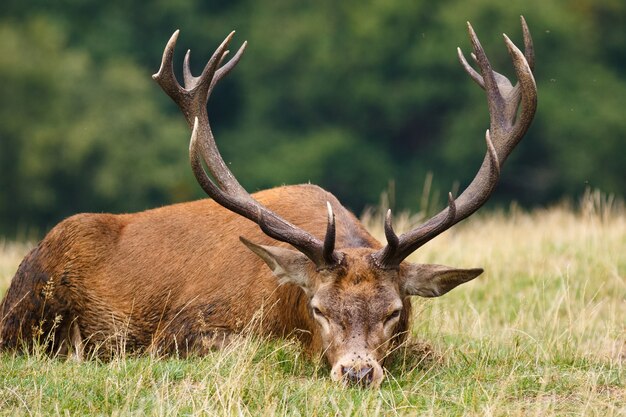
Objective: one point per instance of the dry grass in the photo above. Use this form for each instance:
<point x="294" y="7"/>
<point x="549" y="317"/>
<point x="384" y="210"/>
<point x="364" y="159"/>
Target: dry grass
<point x="542" y="332"/>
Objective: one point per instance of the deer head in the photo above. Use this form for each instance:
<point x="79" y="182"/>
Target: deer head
<point x="358" y="296"/>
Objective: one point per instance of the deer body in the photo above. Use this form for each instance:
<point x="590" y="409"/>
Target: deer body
<point x="172" y="279"/>
<point x="180" y="278"/>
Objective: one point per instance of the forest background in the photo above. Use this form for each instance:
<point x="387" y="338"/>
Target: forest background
<point x="351" y="95"/>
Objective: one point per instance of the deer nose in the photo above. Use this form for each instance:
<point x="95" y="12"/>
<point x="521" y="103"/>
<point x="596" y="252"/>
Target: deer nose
<point x="362" y="376"/>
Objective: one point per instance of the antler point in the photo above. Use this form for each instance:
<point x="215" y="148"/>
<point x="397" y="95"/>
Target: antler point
<point x="174" y="36"/>
<point x="470" y="29"/>
<point x="329" y="256"/>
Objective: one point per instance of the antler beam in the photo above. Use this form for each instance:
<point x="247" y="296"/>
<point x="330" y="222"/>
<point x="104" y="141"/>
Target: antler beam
<point x="506" y="129"/>
<point x="224" y="187"/>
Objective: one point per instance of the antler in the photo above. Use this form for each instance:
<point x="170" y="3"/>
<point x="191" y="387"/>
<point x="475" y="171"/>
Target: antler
<point x="225" y="189"/>
<point x="506" y="129"/>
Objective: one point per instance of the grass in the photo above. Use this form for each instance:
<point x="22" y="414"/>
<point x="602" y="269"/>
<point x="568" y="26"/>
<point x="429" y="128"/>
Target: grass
<point x="541" y="333"/>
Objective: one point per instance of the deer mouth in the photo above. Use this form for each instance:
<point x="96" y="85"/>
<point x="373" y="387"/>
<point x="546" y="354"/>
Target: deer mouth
<point x="365" y="373"/>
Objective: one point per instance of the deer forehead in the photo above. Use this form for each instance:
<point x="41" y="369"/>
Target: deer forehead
<point x="354" y="294"/>
<point x="358" y="266"/>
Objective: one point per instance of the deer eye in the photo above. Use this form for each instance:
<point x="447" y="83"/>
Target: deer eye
<point x="317" y="312"/>
<point x="394" y="315"/>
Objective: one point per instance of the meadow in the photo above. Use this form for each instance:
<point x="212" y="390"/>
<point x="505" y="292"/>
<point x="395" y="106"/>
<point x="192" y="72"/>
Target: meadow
<point x="541" y="333"/>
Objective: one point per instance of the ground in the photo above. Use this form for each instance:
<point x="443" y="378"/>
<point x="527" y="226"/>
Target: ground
<point x="541" y="332"/>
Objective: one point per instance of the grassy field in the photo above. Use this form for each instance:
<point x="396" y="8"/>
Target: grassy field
<point x="541" y="333"/>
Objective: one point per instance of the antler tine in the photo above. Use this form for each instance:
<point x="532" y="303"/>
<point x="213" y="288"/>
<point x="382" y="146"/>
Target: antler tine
<point x="323" y="255"/>
<point x="188" y="77"/>
<point x="469" y="69"/>
<point x="329" y="240"/>
<point x="196" y="166"/>
<point x="505" y="131"/>
<point x="208" y="73"/>
<point x="390" y="234"/>
<point x="221" y="184"/>
<point x="494" y="98"/>
<point x="226" y="68"/>
<point x="527" y="87"/>
<point x="399" y="248"/>
<point x="165" y="75"/>
<point x="221" y="72"/>
<point x="529" y="54"/>
<point x="529" y="49"/>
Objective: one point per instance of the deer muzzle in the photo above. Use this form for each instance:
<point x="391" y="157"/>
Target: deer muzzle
<point x="354" y="369"/>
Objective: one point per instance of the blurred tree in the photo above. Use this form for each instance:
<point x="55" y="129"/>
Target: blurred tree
<point x="349" y="95"/>
<point x="78" y="136"/>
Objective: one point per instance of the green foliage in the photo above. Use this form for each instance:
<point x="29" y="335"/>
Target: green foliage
<point x="349" y="95"/>
<point x="80" y="135"/>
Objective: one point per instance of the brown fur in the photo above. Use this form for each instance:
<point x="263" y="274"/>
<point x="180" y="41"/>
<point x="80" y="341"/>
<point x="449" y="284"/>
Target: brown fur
<point x="172" y="279"/>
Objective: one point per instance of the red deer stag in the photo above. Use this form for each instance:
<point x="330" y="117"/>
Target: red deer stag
<point x="177" y="279"/>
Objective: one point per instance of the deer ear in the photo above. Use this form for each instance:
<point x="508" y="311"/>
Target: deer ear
<point x="288" y="265"/>
<point x="429" y="280"/>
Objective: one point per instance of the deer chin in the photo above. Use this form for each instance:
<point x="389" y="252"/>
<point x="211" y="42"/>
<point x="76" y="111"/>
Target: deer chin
<point x="359" y="369"/>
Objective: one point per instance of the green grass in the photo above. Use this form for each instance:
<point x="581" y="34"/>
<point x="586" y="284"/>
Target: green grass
<point x="541" y="333"/>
